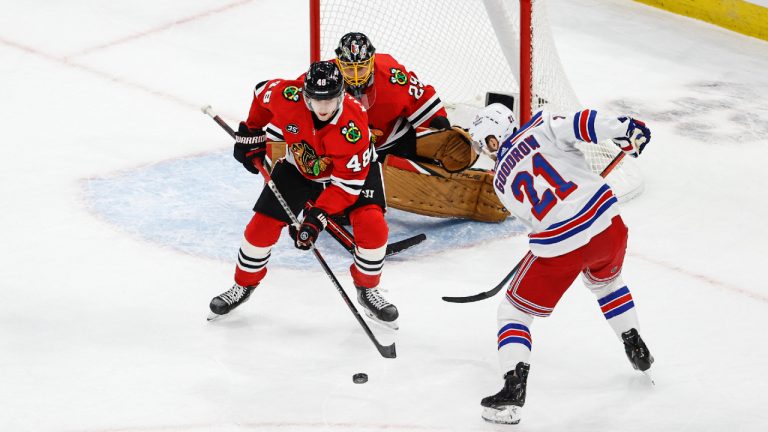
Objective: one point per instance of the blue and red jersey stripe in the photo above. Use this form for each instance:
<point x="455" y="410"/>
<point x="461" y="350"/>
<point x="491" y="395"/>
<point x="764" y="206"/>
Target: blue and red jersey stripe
<point x="616" y="303"/>
<point x="584" y="126"/>
<point x="601" y="201"/>
<point x="514" y="333"/>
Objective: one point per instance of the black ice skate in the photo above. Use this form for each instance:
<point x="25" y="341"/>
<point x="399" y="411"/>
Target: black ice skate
<point x="637" y="353"/>
<point x="377" y="307"/>
<point x="504" y="407"/>
<point x="224" y="303"/>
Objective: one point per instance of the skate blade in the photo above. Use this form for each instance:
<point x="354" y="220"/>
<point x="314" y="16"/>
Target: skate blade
<point x="650" y="377"/>
<point x="213" y="317"/>
<point x="502" y="415"/>
<point x="392" y="325"/>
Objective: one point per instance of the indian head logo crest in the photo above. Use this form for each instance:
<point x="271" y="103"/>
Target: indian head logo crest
<point x="307" y="159"/>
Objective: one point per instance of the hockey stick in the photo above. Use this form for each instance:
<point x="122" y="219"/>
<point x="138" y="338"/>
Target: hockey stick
<point x="345" y="239"/>
<point x="386" y="351"/>
<point x="493" y="291"/>
<point x="335" y="229"/>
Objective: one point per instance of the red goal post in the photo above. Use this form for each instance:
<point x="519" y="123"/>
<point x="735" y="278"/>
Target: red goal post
<point x="467" y="48"/>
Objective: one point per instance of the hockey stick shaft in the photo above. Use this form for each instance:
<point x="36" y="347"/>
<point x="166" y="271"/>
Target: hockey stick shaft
<point x="387" y="351"/>
<point x="493" y="291"/>
<point x="336" y="230"/>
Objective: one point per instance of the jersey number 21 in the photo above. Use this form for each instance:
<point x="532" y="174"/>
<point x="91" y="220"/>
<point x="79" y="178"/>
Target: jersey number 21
<point x="522" y="186"/>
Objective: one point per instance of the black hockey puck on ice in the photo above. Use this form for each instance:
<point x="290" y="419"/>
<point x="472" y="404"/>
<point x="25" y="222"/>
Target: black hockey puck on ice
<point x="360" y="378"/>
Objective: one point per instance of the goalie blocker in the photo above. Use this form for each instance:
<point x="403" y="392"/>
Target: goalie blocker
<point x="439" y="183"/>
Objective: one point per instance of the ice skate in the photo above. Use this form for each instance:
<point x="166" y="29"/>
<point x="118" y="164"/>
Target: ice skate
<point x="377" y="307"/>
<point x="505" y="406"/>
<point x="637" y="353"/>
<point x="223" y="303"/>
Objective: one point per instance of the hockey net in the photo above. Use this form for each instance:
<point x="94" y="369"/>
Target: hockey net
<point x="467" y="48"/>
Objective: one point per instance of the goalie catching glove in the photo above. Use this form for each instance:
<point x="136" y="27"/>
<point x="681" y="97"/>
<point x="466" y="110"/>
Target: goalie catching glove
<point x="250" y="145"/>
<point x="638" y="135"/>
<point x="314" y="222"/>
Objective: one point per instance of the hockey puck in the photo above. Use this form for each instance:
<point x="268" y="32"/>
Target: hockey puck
<point x="360" y="378"/>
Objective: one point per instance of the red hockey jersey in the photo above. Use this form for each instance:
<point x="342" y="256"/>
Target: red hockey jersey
<point x="396" y="99"/>
<point x="339" y="153"/>
<point x="400" y="99"/>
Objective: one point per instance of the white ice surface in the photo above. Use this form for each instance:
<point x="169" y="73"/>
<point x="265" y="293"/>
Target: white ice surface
<point x="102" y="327"/>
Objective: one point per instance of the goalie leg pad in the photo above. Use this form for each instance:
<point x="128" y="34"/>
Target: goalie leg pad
<point x="429" y="190"/>
<point x="452" y="148"/>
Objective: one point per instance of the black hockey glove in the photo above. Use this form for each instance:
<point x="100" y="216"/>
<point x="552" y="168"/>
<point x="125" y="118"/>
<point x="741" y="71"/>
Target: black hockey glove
<point x="440" y="122"/>
<point x="250" y="145"/>
<point x="638" y="136"/>
<point x="314" y="222"/>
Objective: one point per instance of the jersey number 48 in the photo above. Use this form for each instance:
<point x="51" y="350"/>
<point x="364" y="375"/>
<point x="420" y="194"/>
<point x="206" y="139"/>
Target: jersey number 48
<point x="354" y="162"/>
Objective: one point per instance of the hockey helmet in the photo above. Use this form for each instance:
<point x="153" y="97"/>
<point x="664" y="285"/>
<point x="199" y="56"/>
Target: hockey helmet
<point x="323" y="83"/>
<point x="495" y="120"/>
<point x="355" y="55"/>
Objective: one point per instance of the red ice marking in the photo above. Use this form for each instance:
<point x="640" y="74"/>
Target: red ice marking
<point x="66" y="60"/>
<point x="704" y="278"/>
<point x="158" y="29"/>
<point x="101" y="74"/>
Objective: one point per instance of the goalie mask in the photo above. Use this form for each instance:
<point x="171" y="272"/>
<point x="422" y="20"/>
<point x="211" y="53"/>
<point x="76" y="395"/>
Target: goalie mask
<point x="323" y="89"/>
<point x="492" y="125"/>
<point x="355" y="56"/>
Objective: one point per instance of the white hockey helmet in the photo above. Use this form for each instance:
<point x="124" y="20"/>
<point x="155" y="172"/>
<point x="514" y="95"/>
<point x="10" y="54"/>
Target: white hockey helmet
<point x="495" y="120"/>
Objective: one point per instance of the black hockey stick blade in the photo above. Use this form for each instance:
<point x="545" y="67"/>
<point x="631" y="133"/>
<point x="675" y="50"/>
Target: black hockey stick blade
<point x="405" y="244"/>
<point x="387" y="351"/>
<point x="486" y="294"/>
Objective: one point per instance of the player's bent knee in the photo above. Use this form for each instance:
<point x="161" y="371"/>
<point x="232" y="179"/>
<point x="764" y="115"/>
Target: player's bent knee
<point x="602" y="288"/>
<point x="509" y="313"/>
<point x="263" y="231"/>
<point x="369" y="227"/>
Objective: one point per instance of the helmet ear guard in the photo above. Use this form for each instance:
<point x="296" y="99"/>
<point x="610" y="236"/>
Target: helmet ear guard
<point x="495" y="120"/>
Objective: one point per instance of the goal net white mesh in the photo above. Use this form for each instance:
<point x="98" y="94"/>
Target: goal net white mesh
<point x="466" y="48"/>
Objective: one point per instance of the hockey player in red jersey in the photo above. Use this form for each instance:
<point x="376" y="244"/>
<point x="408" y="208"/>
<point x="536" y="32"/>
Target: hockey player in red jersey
<point x="409" y="123"/>
<point x="331" y="162"/>
<point x="397" y="101"/>
<point x="575" y="226"/>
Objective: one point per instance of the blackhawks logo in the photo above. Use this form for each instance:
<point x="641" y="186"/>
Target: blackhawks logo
<point x="292" y="93"/>
<point x="398" y="77"/>
<point x="351" y="132"/>
<point x="307" y="159"/>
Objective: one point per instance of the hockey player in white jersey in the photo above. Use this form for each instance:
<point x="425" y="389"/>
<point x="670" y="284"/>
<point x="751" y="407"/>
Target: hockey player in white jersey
<point x="573" y="215"/>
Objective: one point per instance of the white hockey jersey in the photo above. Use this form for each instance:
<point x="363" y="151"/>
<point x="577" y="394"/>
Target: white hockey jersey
<point x="543" y="179"/>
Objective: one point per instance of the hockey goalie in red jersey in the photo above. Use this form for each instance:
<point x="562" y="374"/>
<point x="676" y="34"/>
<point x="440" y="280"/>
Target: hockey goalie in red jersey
<point x="331" y="162"/>
<point x="426" y="157"/>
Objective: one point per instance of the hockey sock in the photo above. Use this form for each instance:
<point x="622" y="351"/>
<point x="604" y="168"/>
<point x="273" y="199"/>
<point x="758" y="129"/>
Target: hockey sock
<point x="616" y="303"/>
<point x="514" y="336"/>
<point x="261" y="234"/>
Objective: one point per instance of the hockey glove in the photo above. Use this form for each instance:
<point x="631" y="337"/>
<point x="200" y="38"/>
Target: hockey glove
<point x="314" y="222"/>
<point x="250" y="145"/>
<point x="638" y="135"/>
<point x="440" y="122"/>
